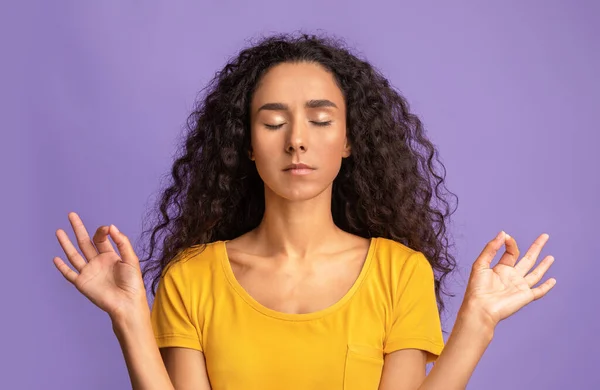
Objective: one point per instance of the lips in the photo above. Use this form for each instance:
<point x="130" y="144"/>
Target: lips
<point x="298" y="166"/>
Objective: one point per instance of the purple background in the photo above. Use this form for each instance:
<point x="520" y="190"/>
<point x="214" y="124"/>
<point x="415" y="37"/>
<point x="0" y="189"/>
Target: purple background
<point x="94" y="96"/>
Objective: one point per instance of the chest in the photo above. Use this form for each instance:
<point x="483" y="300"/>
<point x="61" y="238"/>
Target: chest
<point x="298" y="287"/>
<point x="339" y="352"/>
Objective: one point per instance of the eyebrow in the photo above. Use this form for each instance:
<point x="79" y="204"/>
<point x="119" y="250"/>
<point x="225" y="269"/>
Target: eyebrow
<point x="318" y="103"/>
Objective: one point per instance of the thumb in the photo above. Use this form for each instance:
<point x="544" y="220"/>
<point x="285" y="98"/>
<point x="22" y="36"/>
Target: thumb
<point x="124" y="246"/>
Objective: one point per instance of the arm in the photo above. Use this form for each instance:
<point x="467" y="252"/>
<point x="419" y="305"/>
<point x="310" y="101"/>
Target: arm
<point x="492" y="295"/>
<point x="468" y="341"/>
<point x="150" y="368"/>
<point x="113" y="282"/>
<point x="142" y="357"/>
<point x="405" y="369"/>
<point x="186" y="367"/>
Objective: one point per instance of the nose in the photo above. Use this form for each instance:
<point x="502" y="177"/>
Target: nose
<point x="297" y="139"/>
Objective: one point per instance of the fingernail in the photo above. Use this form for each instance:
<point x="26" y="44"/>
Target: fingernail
<point x="116" y="230"/>
<point x="500" y="235"/>
<point x="507" y="236"/>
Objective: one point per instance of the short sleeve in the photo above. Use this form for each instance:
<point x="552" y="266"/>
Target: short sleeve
<point x="170" y="315"/>
<point x="416" y="320"/>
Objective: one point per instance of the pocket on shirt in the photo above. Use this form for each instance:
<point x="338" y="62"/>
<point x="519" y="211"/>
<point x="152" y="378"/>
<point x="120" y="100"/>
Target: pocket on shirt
<point x="363" y="368"/>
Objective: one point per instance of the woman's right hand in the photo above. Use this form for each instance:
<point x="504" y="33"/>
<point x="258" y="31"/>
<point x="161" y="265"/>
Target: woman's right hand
<point x="112" y="281"/>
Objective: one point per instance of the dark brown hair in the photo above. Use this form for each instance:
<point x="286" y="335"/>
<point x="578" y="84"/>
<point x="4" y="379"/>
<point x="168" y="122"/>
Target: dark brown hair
<point x="388" y="187"/>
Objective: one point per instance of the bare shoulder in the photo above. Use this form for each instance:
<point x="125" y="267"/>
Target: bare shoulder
<point x="355" y="242"/>
<point x="186" y="368"/>
<point x="240" y="244"/>
<point x="242" y="251"/>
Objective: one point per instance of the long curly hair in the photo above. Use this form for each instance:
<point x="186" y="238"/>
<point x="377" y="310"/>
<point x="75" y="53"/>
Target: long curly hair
<point x="386" y="188"/>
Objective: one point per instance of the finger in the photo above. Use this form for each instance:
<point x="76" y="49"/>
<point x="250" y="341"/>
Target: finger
<point x="525" y="264"/>
<point x="74" y="257"/>
<point x="538" y="272"/>
<point x="65" y="270"/>
<point x="83" y="238"/>
<point x="512" y="252"/>
<point x="543" y="289"/>
<point x="124" y="246"/>
<point x="489" y="252"/>
<point x="101" y="240"/>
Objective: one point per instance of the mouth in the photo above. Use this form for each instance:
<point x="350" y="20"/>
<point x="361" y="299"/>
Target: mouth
<point x="298" y="166"/>
<point x="299" y="169"/>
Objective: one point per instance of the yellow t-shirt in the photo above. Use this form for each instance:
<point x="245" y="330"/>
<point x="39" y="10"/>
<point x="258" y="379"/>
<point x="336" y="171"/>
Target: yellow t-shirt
<point x="200" y="305"/>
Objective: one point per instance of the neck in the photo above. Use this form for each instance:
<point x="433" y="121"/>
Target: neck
<point x="297" y="229"/>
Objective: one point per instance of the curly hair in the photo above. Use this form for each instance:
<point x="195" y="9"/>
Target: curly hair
<point x="385" y="188"/>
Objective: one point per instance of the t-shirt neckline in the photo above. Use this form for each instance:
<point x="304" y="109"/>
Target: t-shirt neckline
<point x="241" y="291"/>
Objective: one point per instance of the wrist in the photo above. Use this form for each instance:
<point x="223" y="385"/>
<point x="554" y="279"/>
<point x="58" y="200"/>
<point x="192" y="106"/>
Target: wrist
<point x="471" y="316"/>
<point x="131" y="319"/>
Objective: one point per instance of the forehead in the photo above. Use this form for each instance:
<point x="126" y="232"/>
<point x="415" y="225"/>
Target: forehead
<point x="297" y="83"/>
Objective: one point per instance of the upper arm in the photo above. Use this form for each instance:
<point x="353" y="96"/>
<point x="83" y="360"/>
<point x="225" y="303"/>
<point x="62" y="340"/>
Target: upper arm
<point x="177" y="332"/>
<point x="415" y="336"/>
<point x="186" y="368"/>
<point x="416" y="321"/>
<point x="403" y="370"/>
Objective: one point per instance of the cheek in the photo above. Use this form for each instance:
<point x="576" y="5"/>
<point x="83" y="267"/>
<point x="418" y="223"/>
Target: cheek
<point x="330" y="152"/>
<point x="266" y="154"/>
<point x="263" y="145"/>
<point x="331" y="144"/>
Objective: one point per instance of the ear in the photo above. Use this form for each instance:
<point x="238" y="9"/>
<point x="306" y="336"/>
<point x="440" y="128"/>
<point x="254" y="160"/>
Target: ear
<point x="347" y="149"/>
<point x="251" y="155"/>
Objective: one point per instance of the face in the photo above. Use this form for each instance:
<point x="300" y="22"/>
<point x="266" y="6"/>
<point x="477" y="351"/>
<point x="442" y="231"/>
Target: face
<point x="298" y="116"/>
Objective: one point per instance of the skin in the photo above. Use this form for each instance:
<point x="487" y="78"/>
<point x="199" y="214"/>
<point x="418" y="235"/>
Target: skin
<point x="297" y="247"/>
<point x="300" y="249"/>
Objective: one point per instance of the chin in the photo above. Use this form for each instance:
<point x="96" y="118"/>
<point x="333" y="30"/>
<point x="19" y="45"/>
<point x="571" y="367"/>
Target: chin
<point x="300" y="192"/>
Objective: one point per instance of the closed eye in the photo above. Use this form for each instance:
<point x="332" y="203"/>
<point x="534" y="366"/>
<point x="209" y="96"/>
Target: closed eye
<point x="320" y="124"/>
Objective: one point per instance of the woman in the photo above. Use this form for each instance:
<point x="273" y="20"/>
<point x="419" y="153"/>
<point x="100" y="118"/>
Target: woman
<point x="303" y="251"/>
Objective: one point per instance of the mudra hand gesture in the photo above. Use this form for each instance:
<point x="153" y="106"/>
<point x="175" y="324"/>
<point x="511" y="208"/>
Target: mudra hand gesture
<point x="502" y="290"/>
<point x="112" y="281"/>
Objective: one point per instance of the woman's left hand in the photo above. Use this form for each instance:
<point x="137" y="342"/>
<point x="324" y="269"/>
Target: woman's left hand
<point x="499" y="292"/>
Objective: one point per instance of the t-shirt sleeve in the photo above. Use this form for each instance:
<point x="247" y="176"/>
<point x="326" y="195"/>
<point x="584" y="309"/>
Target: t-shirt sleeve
<point x="170" y="315"/>
<point x="416" y="320"/>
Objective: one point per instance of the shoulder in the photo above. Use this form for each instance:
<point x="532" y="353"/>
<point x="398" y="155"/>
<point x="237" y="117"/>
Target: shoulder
<point x="399" y="262"/>
<point x="393" y="253"/>
<point x="195" y="262"/>
<point x="387" y="246"/>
